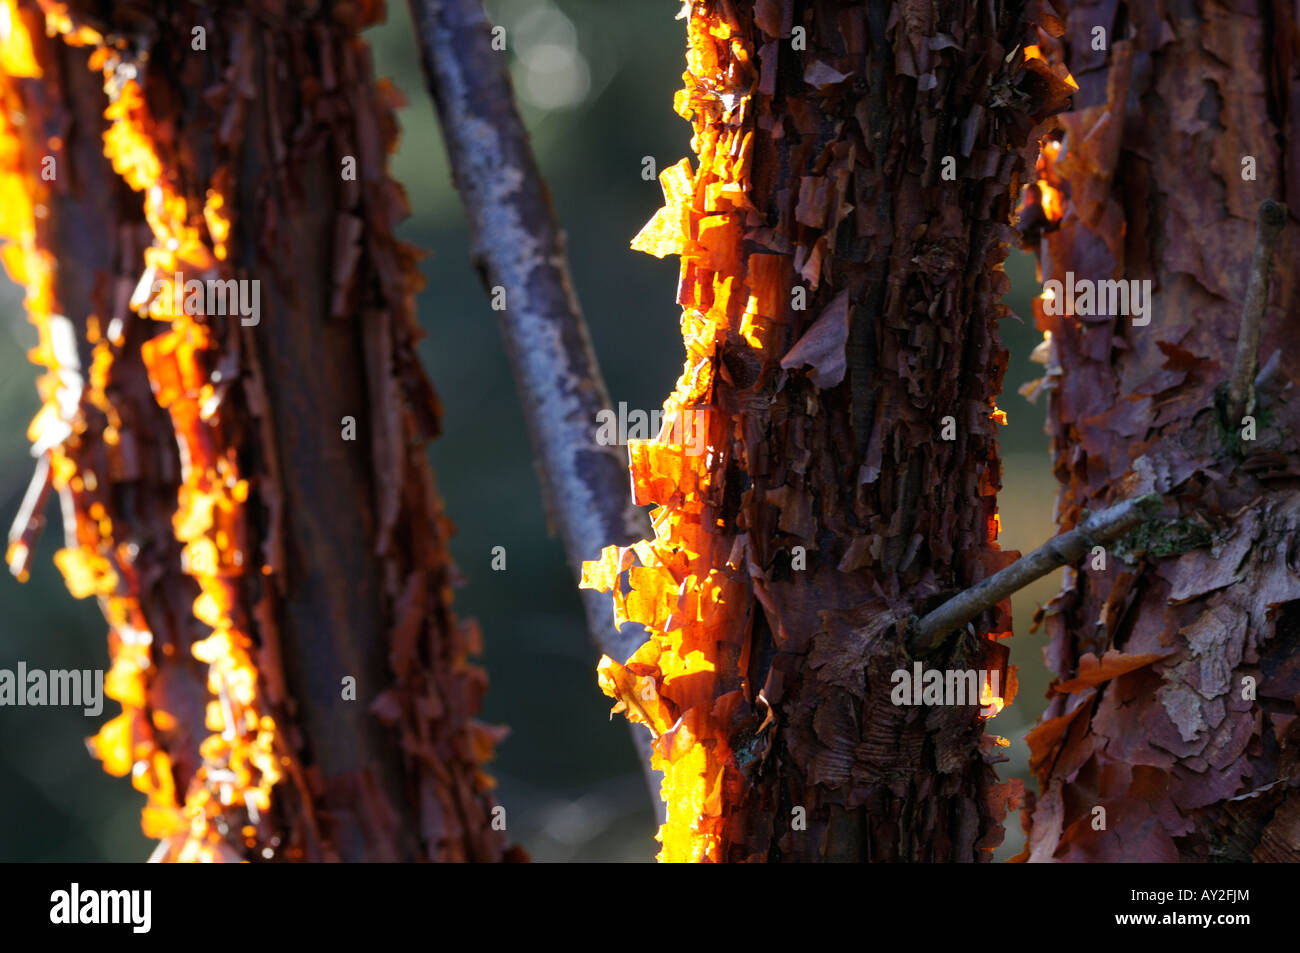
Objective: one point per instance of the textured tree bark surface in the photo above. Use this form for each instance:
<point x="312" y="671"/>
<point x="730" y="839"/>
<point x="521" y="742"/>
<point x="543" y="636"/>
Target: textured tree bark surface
<point x="249" y="558"/>
<point x="851" y="466"/>
<point x="1179" y="661"/>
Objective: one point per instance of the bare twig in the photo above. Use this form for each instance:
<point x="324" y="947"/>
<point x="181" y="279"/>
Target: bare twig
<point x="1062" y="550"/>
<point x="1241" y="388"/>
<point x="30" y="519"/>
<point x="520" y="249"/>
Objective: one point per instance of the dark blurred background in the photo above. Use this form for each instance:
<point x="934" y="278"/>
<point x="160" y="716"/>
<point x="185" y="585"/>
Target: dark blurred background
<point x="595" y="81"/>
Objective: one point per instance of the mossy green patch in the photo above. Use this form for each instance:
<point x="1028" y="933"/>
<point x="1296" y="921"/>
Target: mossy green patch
<point x="1159" y="537"/>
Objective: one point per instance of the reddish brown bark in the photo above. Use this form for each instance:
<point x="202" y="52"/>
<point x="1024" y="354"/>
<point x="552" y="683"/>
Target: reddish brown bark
<point x="822" y="130"/>
<point x="1179" y="662"/>
<point x="323" y="558"/>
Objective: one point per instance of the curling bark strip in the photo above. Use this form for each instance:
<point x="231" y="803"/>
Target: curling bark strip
<point x="244" y="183"/>
<point x="828" y="508"/>
<point x="1175" y="706"/>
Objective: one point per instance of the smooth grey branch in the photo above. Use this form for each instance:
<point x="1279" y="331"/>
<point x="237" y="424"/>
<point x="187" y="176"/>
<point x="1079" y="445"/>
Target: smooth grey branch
<point x="520" y="251"/>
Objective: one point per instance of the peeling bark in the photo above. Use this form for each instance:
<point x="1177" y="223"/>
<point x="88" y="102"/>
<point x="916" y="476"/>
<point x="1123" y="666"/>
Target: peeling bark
<point x="1192" y="749"/>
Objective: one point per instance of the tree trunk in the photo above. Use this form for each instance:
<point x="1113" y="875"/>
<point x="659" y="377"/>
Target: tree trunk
<point x="841" y="247"/>
<point x="1177" y="650"/>
<point x="246" y="487"/>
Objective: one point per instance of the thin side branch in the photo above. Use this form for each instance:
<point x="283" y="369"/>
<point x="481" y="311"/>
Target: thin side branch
<point x="1062" y="550"/>
<point x="1241" y="385"/>
<point x="30" y="519"/>
<point x="521" y="249"/>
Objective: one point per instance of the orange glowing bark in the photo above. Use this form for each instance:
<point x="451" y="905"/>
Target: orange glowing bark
<point x="194" y="449"/>
<point x="828" y="507"/>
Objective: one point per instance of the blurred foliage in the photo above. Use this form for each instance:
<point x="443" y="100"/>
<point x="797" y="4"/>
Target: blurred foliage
<point x="595" y="82"/>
